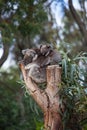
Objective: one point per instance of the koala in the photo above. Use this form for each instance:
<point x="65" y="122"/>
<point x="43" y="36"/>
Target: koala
<point x="45" y="49"/>
<point x="52" y="54"/>
<point x="29" y="56"/>
<point x="37" y="69"/>
<point x="38" y="60"/>
<point x="33" y="60"/>
<point x="41" y="61"/>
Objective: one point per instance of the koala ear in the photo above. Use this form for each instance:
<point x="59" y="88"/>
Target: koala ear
<point x="23" y="52"/>
<point x="40" y="46"/>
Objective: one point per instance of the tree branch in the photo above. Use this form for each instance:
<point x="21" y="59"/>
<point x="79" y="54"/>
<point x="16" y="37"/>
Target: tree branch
<point x="52" y="117"/>
<point x="38" y="95"/>
<point x="5" y="55"/>
<point x="78" y="21"/>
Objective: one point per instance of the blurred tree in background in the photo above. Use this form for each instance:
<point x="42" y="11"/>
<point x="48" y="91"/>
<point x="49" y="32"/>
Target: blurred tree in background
<point x="26" y="24"/>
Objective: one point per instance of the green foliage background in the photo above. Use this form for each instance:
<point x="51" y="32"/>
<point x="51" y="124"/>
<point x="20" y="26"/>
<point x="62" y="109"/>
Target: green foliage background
<point x="17" y="110"/>
<point x="26" y="24"/>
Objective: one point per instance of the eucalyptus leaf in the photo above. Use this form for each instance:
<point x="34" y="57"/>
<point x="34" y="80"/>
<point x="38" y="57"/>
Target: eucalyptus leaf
<point x="64" y="65"/>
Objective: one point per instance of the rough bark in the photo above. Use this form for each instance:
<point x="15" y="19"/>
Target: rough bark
<point x="47" y="99"/>
<point x="52" y="116"/>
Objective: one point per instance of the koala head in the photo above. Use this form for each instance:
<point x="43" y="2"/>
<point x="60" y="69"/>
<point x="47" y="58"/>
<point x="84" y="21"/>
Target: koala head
<point x="45" y="49"/>
<point x="30" y="53"/>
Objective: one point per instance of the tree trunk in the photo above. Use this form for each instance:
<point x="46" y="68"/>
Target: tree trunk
<point x="52" y="120"/>
<point x="52" y="117"/>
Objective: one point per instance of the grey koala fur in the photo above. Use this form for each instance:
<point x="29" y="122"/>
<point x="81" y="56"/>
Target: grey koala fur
<point x="30" y="55"/>
<point x="33" y="60"/>
<point x="39" y="60"/>
<point x="52" y="54"/>
<point x="36" y="73"/>
<point x="37" y="69"/>
<point x="45" y="49"/>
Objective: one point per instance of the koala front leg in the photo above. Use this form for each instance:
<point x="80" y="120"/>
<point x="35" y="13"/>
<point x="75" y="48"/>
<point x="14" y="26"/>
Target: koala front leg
<point x="31" y="65"/>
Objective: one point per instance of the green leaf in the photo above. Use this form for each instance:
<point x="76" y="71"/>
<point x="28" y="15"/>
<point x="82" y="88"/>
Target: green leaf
<point x="64" y="65"/>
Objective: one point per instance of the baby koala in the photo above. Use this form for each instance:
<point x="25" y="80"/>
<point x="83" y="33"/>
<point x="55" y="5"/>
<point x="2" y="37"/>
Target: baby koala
<point x="45" y="49"/>
<point x="52" y="54"/>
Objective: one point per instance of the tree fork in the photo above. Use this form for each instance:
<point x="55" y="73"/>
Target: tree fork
<point x="47" y="99"/>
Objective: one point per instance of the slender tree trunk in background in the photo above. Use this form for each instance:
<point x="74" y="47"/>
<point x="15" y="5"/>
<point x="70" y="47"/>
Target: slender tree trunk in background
<point x="79" y="22"/>
<point x="4" y="55"/>
<point x="47" y="99"/>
